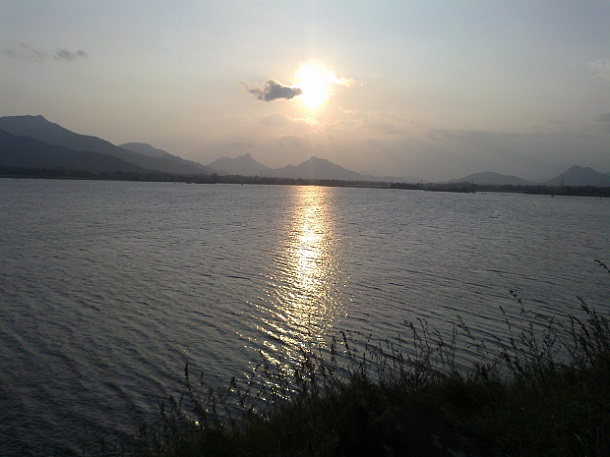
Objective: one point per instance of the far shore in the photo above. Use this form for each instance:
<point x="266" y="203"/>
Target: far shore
<point x="459" y="187"/>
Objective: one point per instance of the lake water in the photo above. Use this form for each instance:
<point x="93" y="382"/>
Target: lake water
<point x="108" y="288"/>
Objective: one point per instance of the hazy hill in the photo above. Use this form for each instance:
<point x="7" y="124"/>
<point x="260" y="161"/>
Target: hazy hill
<point x="580" y="176"/>
<point x="316" y="168"/>
<point x="491" y="178"/>
<point x="244" y="165"/>
<point x="145" y="149"/>
<point x="42" y="130"/>
<point x="25" y="152"/>
<point x="176" y="161"/>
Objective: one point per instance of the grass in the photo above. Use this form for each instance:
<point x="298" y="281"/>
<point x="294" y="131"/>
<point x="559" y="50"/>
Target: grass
<point x="544" y="391"/>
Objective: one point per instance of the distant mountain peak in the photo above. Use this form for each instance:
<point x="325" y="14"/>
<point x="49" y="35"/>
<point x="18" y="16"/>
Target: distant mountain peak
<point x="492" y="178"/>
<point x="34" y="118"/>
<point x="244" y="165"/>
<point x="580" y="176"/>
<point x="312" y="168"/>
<point x="40" y="128"/>
<point x="316" y="168"/>
<point x="579" y="169"/>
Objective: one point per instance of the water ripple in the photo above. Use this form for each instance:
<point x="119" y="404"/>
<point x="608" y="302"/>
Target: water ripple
<point x="107" y="289"/>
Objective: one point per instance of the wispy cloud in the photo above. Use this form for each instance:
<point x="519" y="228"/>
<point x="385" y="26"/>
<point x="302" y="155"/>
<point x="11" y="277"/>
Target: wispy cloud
<point x="305" y="120"/>
<point x="604" y="122"/>
<point x="69" y="56"/>
<point x="27" y="53"/>
<point x="273" y="90"/>
<point x="342" y="81"/>
<point x="601" y="67"/>
<point x="281" y="120"/>
<point x="293" y="141"/>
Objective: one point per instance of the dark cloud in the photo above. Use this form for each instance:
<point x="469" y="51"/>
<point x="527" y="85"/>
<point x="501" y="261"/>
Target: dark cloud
<point x="272" y="90"/>
<point x="69" y="56"/>
<point x="25" y="52"/>
<point x="28" y="53"/>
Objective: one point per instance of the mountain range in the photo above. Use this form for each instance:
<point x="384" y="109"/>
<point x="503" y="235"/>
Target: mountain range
<point x="33" y="142"/>
<point x="313" y="168"/>
<point x="316" y="168"/>
<point x="576" y="176"/>
<point x="38" y="128"/>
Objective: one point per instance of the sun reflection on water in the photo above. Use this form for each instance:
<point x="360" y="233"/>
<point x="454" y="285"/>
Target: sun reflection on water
<point x="304" y="299"/>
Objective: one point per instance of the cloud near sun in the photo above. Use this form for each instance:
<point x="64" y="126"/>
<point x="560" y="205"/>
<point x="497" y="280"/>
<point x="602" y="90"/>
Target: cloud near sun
<point x="272" y="90"/>
<point x="312" y="85"/>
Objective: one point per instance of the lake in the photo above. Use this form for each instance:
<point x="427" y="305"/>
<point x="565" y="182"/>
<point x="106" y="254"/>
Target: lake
<point x="108" y="288"/>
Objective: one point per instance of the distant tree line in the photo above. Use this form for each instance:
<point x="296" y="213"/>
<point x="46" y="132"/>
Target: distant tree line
<point x="588" y="191"/>
<point x="157" y="176"/>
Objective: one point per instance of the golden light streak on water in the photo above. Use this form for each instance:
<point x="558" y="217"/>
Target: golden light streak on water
<point x="305" y="278"/>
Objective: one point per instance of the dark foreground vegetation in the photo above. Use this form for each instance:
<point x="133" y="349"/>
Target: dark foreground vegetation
<point x="462" y="187"/>
<point x="544" y="391"/>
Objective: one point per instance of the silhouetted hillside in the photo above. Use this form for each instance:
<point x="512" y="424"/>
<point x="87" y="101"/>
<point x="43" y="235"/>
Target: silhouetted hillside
<point x="150" y="151"/>
<point x="145" y="149"/>
<point x="19" y="152"/>
<point x="42" y="130"/>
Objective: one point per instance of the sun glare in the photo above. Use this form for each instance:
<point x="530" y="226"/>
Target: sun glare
<point x="313" y="81"/>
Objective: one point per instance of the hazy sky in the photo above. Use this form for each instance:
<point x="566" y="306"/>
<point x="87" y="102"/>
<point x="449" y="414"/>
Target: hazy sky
<point x="428" y="89"/>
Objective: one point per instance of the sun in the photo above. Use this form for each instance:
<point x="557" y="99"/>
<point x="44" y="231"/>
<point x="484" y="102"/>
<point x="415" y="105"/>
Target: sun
<point x="313" y="80"/>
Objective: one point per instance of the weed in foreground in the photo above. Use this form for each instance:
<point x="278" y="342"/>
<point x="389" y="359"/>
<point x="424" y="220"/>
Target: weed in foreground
<point x="543" y="390"/>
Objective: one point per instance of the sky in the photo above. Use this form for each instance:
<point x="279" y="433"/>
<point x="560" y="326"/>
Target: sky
<point x="430" y="90"/>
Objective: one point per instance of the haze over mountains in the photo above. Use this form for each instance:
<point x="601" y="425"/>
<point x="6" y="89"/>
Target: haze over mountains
<point x="32" y="142"/>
